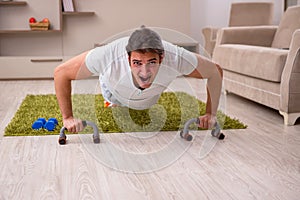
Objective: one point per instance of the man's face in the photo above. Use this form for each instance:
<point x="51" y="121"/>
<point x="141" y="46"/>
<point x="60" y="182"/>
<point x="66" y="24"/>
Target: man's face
<point x="144" y="67"/>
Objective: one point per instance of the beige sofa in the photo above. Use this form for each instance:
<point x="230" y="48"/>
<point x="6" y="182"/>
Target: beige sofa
<point x="263" y="63"/>
<point x="241" y="14"/>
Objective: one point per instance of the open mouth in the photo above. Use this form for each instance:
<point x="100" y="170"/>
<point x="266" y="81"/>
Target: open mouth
<point x="145" y="79"/>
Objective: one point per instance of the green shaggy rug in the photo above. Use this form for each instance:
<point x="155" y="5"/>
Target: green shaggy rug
<point x="169" y="114"/>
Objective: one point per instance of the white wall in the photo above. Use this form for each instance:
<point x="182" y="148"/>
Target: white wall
<point x="115" y="16"/>
<point x="215" y="13"/>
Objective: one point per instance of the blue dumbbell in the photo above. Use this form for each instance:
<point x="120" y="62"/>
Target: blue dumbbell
<point x="53" y="120"/>
<point x="51" y="124"/>
<point x="39" y="123"/>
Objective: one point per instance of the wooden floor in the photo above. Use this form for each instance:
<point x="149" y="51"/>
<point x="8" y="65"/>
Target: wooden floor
<point x="260" y="162"/>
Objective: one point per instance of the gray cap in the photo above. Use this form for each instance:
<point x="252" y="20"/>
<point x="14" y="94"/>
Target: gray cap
<point x="144" y="38"/>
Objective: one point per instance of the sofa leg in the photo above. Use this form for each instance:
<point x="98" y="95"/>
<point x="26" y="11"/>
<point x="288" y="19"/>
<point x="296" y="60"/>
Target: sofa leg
<point x="289" y="118"/>
<point x="225" y="92"/>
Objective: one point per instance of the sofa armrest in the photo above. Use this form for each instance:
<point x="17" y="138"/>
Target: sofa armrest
<point x="290" y="79"/>
<point x="247" y="35"/>
<point x="210" y="35"/>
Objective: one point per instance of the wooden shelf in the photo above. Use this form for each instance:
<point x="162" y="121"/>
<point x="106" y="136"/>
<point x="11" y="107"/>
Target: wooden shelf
<point x="34" y="62"/>
<point x="78" y="13"/>
<point x="27" y="31"/>
<point x="12" y="3"/>
<point x="46" y="60"/>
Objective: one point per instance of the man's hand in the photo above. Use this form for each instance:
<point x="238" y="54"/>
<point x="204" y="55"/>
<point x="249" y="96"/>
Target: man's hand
<point x="73" y="125"/>
<point x="207" y="121"/>
<point x="64" y="74"/>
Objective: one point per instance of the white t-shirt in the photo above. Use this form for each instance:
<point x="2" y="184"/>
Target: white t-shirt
<point x="111" y="63"/>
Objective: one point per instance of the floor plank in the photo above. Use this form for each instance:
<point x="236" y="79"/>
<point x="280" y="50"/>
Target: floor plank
<point x="260" y="162"/>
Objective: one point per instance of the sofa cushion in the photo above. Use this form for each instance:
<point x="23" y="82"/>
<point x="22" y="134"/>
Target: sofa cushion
<point x="251" y="13"/>
<point x="261" y="62"/>
<point x="288" y="24"/>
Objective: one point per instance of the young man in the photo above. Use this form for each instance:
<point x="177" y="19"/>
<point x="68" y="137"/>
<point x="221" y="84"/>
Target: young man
<point x="134" y="71"/>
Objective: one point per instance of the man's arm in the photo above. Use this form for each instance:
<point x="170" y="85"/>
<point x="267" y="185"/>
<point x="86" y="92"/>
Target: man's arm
<point x="206" y="69"/>
<point x="73" y="69"/>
